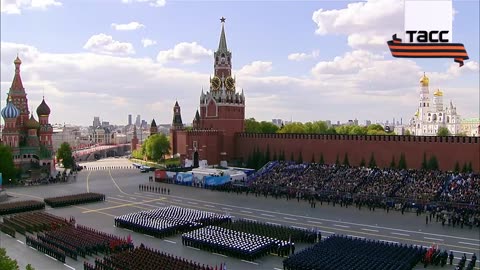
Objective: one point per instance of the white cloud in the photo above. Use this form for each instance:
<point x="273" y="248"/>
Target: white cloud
<point x="128" y="26"/>
<point x="102" y="43"/>
<point x="350" y="63"/>
<point x="367" y="24"/>
<point x="153" y="3"/>
<point x="303" y="56"/>
<point x="16" y="6"/>
<point x="77" y="87"/>
<point x="256" y="68"/>
<point x="146" y="42"/>
<point x="184" y="52"/>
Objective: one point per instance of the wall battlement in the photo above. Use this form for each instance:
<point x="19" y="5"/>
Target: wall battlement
<point x="384" y="148"/>
<point x="377" y="138"/>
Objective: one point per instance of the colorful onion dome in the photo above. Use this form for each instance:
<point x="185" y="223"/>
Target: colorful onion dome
<point x="10" y="111"/>
<point x="43" y="109"/>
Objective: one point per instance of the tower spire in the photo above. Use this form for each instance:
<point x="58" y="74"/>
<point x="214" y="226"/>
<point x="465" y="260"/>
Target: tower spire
<point x="222" y="45"/>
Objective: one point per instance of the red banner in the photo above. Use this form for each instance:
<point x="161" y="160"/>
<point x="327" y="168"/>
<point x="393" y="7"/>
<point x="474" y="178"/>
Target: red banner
<point x="427" y="50"/>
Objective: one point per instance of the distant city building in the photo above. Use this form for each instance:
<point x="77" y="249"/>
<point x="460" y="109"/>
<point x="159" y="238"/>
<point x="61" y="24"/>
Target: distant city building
<point x="29" y="139"/>
<point x="277" y="122"/>
<point x="428" y="119"/>
<point x="470" y="127"/>
<point x="137" y="121"/>
<point x="129" y="119"/>
<point x="101" y="135"/>
<point x="144" y="124"/>
<point x="329" y="123"/>
<point x="105" y="124"/>
<point x="96" y="122"/>
<point x="368" y="123"/>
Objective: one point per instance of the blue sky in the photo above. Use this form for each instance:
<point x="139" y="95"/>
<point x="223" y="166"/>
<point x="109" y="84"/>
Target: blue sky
<point x="116" y="75"/>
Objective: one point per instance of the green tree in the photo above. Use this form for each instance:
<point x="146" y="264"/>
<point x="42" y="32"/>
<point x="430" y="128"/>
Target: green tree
<point x="337" y="160"/>
<point x="407" y="133"/>
<point x="7" y="263"/>
<point x="300" y="158"/>
<point x="433" y="163"/>
<point x="457" y="167"/>
<point x="392" y="163"/>
<point x="275" y="158"/>
<point x="402" y="162"/>
<point x="362" y="163"/>
<point x="443" y="131"/>
<point x="295" y="127"/>
<point x="345" y="160"/>
<point x="465" y="168"/>
<point x="470" y="167"/>
<point x="7" y="167"/>
<point x="313" y="158"/>
<point x="268" y="127"/>
<point x="372" y="163"/>
<point x="424" y="161"/>
<point x="321" y="161"/>
<point x="252" y="126"/>
<point x="64" y="155"/>
<point x="157" y="146"/>
<point x="29" y="267"/>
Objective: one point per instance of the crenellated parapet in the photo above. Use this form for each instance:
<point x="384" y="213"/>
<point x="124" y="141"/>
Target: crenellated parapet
<point x="376" y="138"/>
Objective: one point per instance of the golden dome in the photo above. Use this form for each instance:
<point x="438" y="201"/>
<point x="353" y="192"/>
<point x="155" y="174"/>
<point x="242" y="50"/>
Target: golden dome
<point x="438" y="93"/>
<point x="417" y="113"/>
<point x="424" y="80"/>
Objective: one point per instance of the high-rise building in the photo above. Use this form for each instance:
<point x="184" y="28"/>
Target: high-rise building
<point x="129" y="119"/>
<point x="138" y="121"/>
<point x="96" y="121"/>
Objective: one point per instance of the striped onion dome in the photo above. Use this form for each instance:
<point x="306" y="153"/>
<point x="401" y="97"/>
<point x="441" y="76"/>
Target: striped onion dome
<point x="10" y="111"/>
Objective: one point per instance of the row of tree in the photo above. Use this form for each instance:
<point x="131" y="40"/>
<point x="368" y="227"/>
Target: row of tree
<point x="317" y="127"/>
<point x="258" y="159"/>
<point x="154" y="148"/>
<point x="321" y="127"/>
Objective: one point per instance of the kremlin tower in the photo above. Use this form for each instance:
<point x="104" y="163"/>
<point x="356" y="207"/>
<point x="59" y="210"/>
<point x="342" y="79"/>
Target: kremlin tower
<point x="29" y="139"/>
<point x="221" y="114"/>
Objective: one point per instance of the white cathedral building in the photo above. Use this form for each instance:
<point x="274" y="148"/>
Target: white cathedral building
<point x="432" y="115"/>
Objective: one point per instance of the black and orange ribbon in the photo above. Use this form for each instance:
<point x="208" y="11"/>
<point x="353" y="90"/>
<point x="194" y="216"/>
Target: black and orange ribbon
<point x="427" y="50"/>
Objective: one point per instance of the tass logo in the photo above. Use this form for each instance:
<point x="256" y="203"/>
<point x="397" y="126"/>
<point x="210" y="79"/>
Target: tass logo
<point x="428" y="36"/>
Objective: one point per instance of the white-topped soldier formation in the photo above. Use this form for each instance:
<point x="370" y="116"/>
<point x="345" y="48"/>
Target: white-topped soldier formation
<point x="234" y="243"/>
<point x="167" y="221"/>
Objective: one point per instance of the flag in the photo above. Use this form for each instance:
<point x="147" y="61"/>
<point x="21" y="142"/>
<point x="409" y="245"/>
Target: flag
<point x="224" y="266"/>
<point x="129" y="239"/>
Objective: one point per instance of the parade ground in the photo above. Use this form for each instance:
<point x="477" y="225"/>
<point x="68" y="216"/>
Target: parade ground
<point x="119" y="181"/>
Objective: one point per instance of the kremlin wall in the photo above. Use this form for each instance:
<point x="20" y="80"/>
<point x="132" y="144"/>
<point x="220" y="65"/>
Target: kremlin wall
<point x="218" y="132"/>
<point x="447" y="150"/>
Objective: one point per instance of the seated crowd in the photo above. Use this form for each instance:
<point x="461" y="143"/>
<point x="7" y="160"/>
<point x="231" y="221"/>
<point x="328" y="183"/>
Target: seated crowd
<point x="232" y="243"/>
<point x="280" y="232"/>
<point x="167" y="221"/>
<point x="20" y="206"/>
<point x="456" y="193"/>
<point x="345" y="253"/>
<point x="74" y="199"/>
<point x="142" y="258"/>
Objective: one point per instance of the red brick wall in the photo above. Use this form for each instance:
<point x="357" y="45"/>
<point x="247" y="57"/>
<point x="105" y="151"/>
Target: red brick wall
<point x="209" y="144"/>
<point x="448" y="150"/>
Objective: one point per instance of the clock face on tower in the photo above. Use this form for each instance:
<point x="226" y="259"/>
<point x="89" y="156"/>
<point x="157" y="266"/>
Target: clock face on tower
<point x="230" y="83"/>
<point x="215" y="83"/>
